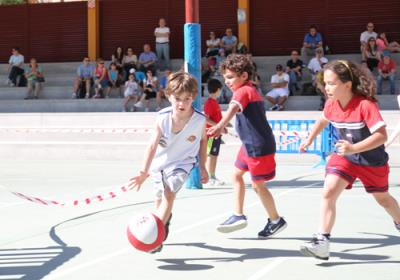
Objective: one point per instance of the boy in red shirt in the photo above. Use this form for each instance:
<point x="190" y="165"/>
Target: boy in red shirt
<point x="387" y="71"/>
<point x="212" y="110"/>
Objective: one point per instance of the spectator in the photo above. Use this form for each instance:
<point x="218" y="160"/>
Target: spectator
<point x="132" y="91"/>
<point x="320" y="87"/>
<point x="312" y="43"/>
<point x="387" y="71"/>
<point x="35" y="77"/>
<point x="280" y="90"/>
<point x="129" y="62"/>
<point x="15" y="67"/>
<point x="220" y="57"/>
<point x="366" y="35"/>
<point x="383" y="44"/>
<point x="212" y="45"/>
<point x="149" y="92"/>
<point x="100" y="78"/>
<point x="162" y="44"/>
<point x="163" y="83"/>
<point x="114" y="80"/>
<point x="293" y="67"/>
<point x="117" y="58"/>
<point x="147" y="60"/>
<point x="371" y="54"/>
<point x="84" y="78"/>
<point x="315" y="65"/>
<point x="229" y="42"/>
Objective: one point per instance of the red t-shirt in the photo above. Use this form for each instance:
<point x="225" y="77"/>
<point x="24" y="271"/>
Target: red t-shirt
<point x="386" y="68"/>
<point x="212" y="110"/>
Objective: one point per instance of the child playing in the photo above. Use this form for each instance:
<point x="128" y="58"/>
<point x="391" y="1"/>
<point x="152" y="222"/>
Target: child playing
<point x="132" y="92"/>
<point x="212" y="110"/>
<point x="179" y="138"/>
<point x="257" y="154"/>
<point x="360" y="152"/>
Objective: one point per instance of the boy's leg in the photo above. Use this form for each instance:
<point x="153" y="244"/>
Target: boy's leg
<point x="211" y="165"/>
<point x="213" y="147"/>
<point x="165" y="207"/>
<point x="390" y="204"/>
<point x="266" y="199"/>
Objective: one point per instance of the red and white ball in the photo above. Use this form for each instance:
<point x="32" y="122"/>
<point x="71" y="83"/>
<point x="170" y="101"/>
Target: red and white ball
<point x="146" y="232"/>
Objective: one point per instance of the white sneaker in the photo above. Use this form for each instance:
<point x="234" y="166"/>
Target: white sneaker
<point x="215" y="182"/>
<point x="74" y="95"/>
<point x="7" y="82"/>
<point x="280" y="108"/>
<point x="274" y="108"/>
<point x="318" y="248"/>
<point x="139" y="104"/>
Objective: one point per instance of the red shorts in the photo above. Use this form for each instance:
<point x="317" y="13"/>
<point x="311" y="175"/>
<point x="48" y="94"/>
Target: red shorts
<point x="374" y="178"/>
<point x="261" y="168"/>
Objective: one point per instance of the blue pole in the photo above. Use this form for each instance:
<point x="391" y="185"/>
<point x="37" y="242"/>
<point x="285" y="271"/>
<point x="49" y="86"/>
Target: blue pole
<point x="193" y="66"/>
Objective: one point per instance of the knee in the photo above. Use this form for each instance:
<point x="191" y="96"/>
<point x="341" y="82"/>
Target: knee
<point x="328" y="194"/>
<point x="237" y="177"/>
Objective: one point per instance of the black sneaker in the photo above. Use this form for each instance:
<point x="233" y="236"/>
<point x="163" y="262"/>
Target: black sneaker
<point x="271" y="229"/>
<point x="167" y="227"/>
<point x="156" y="250"/>
<point x="397" y="226"/>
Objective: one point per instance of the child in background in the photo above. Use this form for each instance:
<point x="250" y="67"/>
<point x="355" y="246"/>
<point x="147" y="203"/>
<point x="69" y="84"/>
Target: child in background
<point x="179" y="138"/>
<point x="212" y="110"/>
<point x="114" y="80"/>
<point x="257" y="154"/>
<point x="132" y="92"/>
<point x="360" y="153"/>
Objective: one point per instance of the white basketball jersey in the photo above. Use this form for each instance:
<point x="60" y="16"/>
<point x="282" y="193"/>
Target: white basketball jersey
<point x="178" y="150"/>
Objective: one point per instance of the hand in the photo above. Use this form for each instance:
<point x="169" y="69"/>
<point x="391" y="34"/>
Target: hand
<point x="304" y="145"/>
<point x="204" y="175"/>
<point x="344" y="147"/>
<point x="136" y="182"/>
<point x="214" y="131"/>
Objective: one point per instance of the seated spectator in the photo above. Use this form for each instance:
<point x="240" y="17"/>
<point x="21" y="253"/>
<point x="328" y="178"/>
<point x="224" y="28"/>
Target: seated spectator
<point x="100" y="78"/>
<point x="371" y="55"/>
<point x="312" y="43"/>
<point x="315" y="65"/>
<point x="35" y="77"/>
<point x="212" y="45"/>
<point x="117" y="58"/>
<point x="163" y="83"/>
<point x="366" y="35"/>
<point x="320" y="87"/>
<point x="114" y="79"/>
<point x="383" y="44"/>
<point x="132" y="91"/>
<point x="15" y="67"/>
<point x="147" y="60"/>
<point x="293" y="67"/>
<point x="162" y="44"/>
<point x="220" y="57"/>
<point x="84" y="77"/>
<point x="229" y="42"/>
<point x="149" y="92"/>
<point x="129" y="62"/>
<point x="387" y="71"/>
<point x="280" y="89"/>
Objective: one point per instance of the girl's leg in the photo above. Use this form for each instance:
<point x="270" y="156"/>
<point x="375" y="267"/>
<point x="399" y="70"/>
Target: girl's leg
<point x="333" y="187"/>
<point x="390" y="204"/>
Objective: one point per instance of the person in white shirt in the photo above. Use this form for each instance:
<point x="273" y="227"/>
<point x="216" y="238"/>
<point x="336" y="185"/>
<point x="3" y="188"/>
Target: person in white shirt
<point x="178" y="143"/>
<point x="280" y="89"/>
<point x="212" y="45"/>
<point x="366" y="35"/>
<point x="15" y="66"/>
<point x="162" y="44"/>
<point x="315" y="65"/>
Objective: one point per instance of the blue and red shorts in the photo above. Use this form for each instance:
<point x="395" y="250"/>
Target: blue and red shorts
<point x="260" y="168"/>
<point x="374" y="178"/>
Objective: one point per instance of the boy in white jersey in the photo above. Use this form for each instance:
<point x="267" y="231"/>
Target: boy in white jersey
<point x="179" y="141"/>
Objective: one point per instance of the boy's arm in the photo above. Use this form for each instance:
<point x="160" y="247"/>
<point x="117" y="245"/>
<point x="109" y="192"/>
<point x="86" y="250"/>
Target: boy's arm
<point x="217" y="129"/>
<point x="203" y="157"/>
<point x="375" y="140"/>
<point x="317" y="128"/>
<point x="138" y="180"/>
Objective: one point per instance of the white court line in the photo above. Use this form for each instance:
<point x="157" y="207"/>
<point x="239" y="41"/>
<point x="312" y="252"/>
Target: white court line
<point x="126" y="250"/>
<point x="261" y="273"/>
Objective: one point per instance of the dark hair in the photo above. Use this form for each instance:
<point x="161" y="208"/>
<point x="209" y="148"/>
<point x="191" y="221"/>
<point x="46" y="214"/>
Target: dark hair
<point x="16" y="48"/>
<point x="313" y="26"/>
<point x="369" y="46"/>
<point x="238" y="63"/>
<point x="213" y="85"/>
<point x="362" y="81"/>
<point x="117" y="56"/>
<point x="279" y="67"/>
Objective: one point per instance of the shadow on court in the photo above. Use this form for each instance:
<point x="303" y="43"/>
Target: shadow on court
<point x="243" y="255"/>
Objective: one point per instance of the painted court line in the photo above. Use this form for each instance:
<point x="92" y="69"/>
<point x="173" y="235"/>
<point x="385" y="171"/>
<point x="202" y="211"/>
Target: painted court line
<point x="127" y="250"/>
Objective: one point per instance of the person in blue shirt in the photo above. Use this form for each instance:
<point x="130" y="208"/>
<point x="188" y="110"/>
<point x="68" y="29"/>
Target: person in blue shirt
<point x="229" y="42"/>
<point x="312" y="42"/>
<point x="84" y="75"/>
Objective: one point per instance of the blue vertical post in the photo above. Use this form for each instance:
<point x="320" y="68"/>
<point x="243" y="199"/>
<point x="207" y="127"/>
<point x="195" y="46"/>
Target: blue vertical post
<point x="193" y="66"/>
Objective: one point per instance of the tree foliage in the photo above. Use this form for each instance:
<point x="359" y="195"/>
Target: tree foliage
<point x="12" y="2"/>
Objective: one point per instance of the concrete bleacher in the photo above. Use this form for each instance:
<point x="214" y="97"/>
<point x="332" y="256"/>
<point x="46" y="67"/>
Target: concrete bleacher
<point x="57" y="91"/>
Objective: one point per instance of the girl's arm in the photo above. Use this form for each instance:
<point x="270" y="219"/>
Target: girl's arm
<point x="317" y="128"/>
<point x="203" y="157"/>
<point x="375" y="140"/>
<point x="138" y="180"/>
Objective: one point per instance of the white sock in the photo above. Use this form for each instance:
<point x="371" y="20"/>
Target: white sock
<point x="276" y="221"/>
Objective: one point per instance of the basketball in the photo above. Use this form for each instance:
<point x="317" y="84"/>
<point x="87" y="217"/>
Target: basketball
<point x="146" y="232"/>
